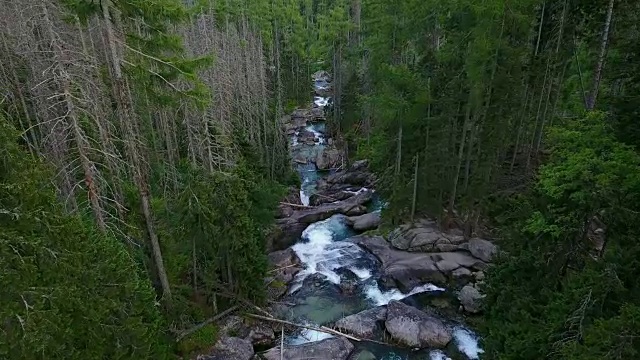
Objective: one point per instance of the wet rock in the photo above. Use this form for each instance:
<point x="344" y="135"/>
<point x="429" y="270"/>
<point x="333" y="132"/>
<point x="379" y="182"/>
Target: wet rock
<point x="351" y="177"/>
<point x="317" y="114"/>
<point x="329" y="349"/>
<point x="406" y="270"/>
<point x="285" y="233"/>
<point x="365" y="222"/>
<point x="471" y="299"/>
<point x="329" y="196"/>
<point x="329" y="158"/>
<point x="348" y="287"/>
<point x="363" y="324"/>
<point x="325" y="211"/>
<point x="283" y="258"/>
<point x="230" y="348"/>
<point x="363" y="355"/>
<point x="285" y="264"/>
<point x="415" y="328"/>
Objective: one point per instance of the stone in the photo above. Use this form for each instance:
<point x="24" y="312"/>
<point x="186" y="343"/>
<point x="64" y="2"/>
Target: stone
<point x="337" y="348"/>
<point x="230" y="348"/>
<point x="470" y="299"/>
<point x="363" y="355"/>
<point x="285" y="265"/>
<point x="461" y="273"/>
<point x="234" y="326"/>
<point x="328" y="158"/>
<point x="415" y="328"/>
<point x="262" y="335"/>
<point x="482" y="249"/>
<point x="479" y="275"/>
<point x="283" y="258"/>
<point x="365" y="222"/>
<point x="285" y="234"/>
<point x="406" y="270"/>
<point x="363" y="324"/>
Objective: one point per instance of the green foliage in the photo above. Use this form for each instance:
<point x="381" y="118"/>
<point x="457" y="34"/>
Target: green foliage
<point x="199" y="341"/>
<point x="554" y="296"/>
<point x="68" y="292"/>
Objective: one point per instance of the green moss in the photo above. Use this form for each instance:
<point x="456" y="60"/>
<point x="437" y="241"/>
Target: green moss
<point x="201" y="340"/>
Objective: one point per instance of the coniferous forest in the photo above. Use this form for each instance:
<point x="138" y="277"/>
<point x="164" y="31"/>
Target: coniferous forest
<point x="219" y="179"/>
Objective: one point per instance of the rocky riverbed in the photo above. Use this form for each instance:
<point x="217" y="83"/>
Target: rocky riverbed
<point x="403" y="294"/>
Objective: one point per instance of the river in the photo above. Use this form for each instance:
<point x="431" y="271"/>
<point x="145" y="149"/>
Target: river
<point x="332" y="264"/>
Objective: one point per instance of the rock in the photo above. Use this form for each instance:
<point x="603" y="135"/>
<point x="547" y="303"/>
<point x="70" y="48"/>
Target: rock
<point x="471" y="299"/>
<point x="234" y="326"/>
<point x="351" y="177"/>
<point x="365" y="222"/>
<point x="349" y="206"/>
<point x="363" y="355"/>
<point x="415" y="328"/>
<point x="285" y="234"/>
<point x="329" y="158"/>
<point x="329" y="196"/>
<point x="363" y="324"/>
<point x="337" y="348"/>
<point x="348" y="287"/>
<point x="330" y="141"/>
<point x="282" y="258"/>
<point x="482" y="249"/>
<point x="360" y="165"/>
<point x="230" y="348"/>
<point x="422" y="237"/>
<point x="461" y="273"/>
<point x="261" y="335"/>
<point x="406" y="270"/>
<point x="285" y="264"/>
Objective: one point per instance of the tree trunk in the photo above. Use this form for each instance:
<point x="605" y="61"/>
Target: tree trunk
<point x="127" y="118"/>
<point x="597" y="77"/>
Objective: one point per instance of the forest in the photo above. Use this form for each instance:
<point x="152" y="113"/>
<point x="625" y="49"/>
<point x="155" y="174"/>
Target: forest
<point x="144" y="159"/>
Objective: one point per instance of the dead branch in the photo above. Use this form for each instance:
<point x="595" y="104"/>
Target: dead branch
<point x="323" y="329"/>
<point x="191" y="330"/>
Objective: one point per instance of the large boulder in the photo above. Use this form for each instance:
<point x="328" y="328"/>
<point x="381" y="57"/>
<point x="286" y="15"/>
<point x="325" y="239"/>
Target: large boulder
<point x="470" y="299"/>
<point x="328" y="158"/>
<point x="230" y="348"/>
<point x="415" y="328"/>
<point x="262" y="335"/>
<point x="406" y="270"/>
<point x="424" y="236"/>
<point x="337" y="348"/>
<point x="481" y="249"/>
<point x="284" y="264"/>
<point x="351" y="177"/>
<point x="365" y="222"/>
<point x="363" y="324"/>
<point x="285" y="234"/>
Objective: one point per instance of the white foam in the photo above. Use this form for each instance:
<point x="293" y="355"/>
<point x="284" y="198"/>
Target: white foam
<point x="316" y="134"/>
<point x="304" y="198"/>
<point x="438" y="355"/>
<point x="320" y="101"/>
<point x="362" y="274"/>
<point x="320" y="254"/>
<point x="308" y="336"/>
<point x="380" y="298"/>
<point x="467" y="343"/>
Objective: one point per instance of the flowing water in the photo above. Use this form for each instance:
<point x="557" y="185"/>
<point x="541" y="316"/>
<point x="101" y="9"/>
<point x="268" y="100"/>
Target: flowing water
<point x="339" y="278"/>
